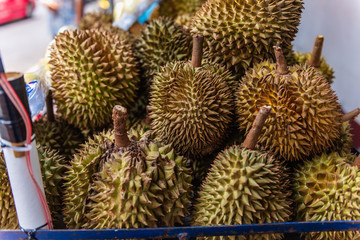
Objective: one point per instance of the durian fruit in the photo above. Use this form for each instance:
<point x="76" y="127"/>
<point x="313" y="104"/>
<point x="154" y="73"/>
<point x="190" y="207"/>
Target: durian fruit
<point x="327" y="188"/>
<point x="161" y="42"/>
<point x="174" y="8"/>
<point x="91" y="72"/>
<point x="184" y="20"/>
<point x="55" y="133"/>
<point x="191" y="107"/>
<point x="94" y="19"/>
<point x="8" y="217"/>
<point x="343" y="145"/>
<point x="240" y="34"/>
<point x="315" y="60"/>
<point x="306" y="115"/>
<point x="136" y="183"/>
<point x="53" y="169"/>
<point x="244" y="186"/>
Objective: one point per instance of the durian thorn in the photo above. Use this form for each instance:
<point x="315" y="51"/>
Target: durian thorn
<point x="357" y="162"/>
<point x="120" y="116"/>
<point x="255" y="131"/>
<point x="147" y="120"/>
<point x="282" y="68"/>
<point x="197" y="52"/>
<point x="316" y="53"/>
<point x="351" y="115"/>
<point x="49" y="107"/>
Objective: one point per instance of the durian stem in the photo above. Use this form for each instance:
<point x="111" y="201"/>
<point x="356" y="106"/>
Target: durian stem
<point x="197" y="52"/>
<point x="316" y="53"/>
<point x="120" y="116"/>
<point x="49" y="107"/>
<point x="357" y="162"/>
<point x="351" y="115"/>
<point x="147" y="120"/>
<point x="255" y="131"/>
<point x="282" y="68"/>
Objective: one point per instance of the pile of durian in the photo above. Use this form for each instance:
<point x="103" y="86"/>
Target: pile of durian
<point x="212" y="121"/>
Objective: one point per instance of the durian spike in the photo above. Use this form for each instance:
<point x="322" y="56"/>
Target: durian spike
<point x="49" y="107"/>
<point x="255" y="131"/>
<point x="351" y="115"/>
<point x="120" y="116"/>
<point x="197" y="50"/>
<point x="147" y="120"/>
<point x="357" y="162"/>
<point x="316" y="53"/>
<point x="282" y="68"/>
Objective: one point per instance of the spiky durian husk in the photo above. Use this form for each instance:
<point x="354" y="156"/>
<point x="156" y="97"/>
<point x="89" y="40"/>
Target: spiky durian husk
<point x="191" y="109"/>
<point x="143" y="190"/>
<point x="8" y="217"/>
<point x="79" y="176"/>
<point x="93" y="20"/>
<point x="173" y="8"/>
<point x="58" y="135"/>
<point x="52" y="169"/>
<point x="184" y="20"/>
<point x="242" y="33"/>
<point x="91" y="72"/>
<point x="161" y="42"/>
<point x="305" y="117"/>
<point x="327" y="188"/>
<point x="243" y="187"/>
<point x="343" y="144"/>
<point x="325" y="69"/>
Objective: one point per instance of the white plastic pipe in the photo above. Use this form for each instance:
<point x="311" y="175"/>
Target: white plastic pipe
<point x="30" y="211"/>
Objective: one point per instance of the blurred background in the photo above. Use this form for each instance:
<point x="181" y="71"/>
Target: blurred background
<point x="23" y="42"/>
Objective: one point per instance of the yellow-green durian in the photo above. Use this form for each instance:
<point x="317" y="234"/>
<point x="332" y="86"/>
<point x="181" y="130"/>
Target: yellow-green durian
<point x="327" y="188"/>
<point x="243" y="187"/>
<point x="241" y="33"/>
<point x="174" y="8"/>
<point x="94" y="20"/>
<point x="91" y="72"/>
<point x="58" y="135"/>
<point x="191" y="109"/>
<point x="306" y="115"/>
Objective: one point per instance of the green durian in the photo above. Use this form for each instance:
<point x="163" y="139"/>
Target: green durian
<point x="243" y="187"/>
<point x="53" y="169"/>
<point x="184" y="20"/>
<point x="92" y="71"/>
<point x="327" y="188"/>
<point x="306" y="115"/>
<point x="162" y="41"/>
<point x="241" y="33"/>
<point x="58" y="135"/>
<point x="147" y="166"/>
<point x="191" y="109"/>
<point x="94" y="20"/>
<point x="8" y="219"/>
<point x="343" y="144"/>
<point x="174" y="8"/>
<point x="315" y="60"/>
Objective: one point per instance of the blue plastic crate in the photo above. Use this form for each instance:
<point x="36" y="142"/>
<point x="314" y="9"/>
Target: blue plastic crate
<point x="187" y="232"/>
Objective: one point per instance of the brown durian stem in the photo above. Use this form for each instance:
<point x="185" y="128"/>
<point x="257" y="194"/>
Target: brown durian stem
<point x="49" y="107"/>
<point x="120" y="116"/>
<point x="316" y="53"/>
<point x="197" y="52"/>
<point x="255" y="131"/>
<point x="147" y="120"/>
<point x="357" y="162"/>
<point x="351" y="115"/>
<point x="282" y="68"/>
